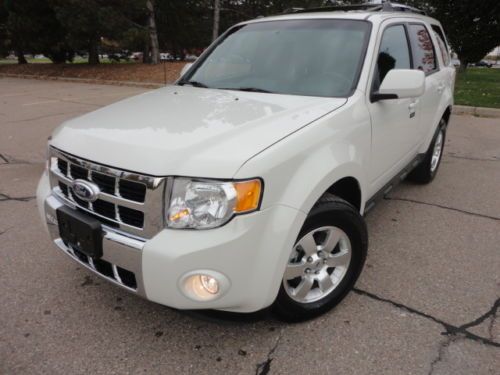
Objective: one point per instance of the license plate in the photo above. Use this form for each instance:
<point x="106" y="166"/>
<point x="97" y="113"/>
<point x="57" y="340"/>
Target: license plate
<point x="80" y="231"/>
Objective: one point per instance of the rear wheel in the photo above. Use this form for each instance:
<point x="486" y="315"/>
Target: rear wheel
<point x="325" y="261"/>
<point x="427" y="169"/>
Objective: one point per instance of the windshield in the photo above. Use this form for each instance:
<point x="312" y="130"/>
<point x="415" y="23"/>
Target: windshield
<point x="319" y="57"/>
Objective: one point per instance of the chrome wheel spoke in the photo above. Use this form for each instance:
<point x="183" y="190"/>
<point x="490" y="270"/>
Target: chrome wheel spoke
<point x="332" y="239"/>
<point x="436" y="152"/>
<point x="341" y="259"/>
<point x="303" y="288"/>
<point x="308" y="244"/>
<point x="308" y="276"/>
<point x="325" y="283"/>
<point x="294" y="270"/>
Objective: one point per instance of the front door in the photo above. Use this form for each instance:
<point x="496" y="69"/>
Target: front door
<point x="395" y="121"/>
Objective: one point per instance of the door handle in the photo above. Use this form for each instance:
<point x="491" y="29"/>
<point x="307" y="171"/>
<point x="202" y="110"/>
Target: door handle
<point x="412" y="108"/>
<point x="440" y="87"/>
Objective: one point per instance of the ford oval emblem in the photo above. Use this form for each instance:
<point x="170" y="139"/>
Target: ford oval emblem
<point x="85" y="190"/>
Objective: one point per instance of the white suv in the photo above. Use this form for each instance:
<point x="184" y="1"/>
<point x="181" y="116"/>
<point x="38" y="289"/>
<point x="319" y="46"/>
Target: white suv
<point x="244" y="185"/>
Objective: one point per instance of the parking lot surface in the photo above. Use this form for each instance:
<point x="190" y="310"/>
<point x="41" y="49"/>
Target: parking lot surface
<point x="426" y="303"/>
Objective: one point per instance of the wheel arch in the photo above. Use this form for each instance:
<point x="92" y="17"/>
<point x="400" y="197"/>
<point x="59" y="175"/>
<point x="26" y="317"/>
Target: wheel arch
<point x="446" y="114"/>
<point x="349" y="189"/>
<point x="346" y="182"/>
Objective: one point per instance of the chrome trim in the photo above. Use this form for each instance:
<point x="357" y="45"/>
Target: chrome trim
<point x="91" y="262"/>
<point x="116" y="274"/>
<point x="152" y="207"/>
<point x="69" y="252"/>
<point x="119" y="249"/>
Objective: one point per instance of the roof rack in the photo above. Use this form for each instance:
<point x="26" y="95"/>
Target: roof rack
<point x="369" y="7"/>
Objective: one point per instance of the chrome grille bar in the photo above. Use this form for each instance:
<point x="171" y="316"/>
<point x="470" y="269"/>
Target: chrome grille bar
<point x="143" y="207"/>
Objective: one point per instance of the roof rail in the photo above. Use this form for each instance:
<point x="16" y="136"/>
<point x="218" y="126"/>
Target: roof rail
<point x="369" y="7"/>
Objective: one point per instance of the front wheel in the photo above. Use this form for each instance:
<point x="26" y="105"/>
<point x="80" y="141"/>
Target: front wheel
<point x="325" y="262"/>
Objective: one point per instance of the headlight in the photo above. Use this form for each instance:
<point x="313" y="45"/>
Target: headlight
<point x="199" y="204"/>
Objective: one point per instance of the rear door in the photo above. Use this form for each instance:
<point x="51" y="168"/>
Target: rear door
<point x="395" y="122"/>
<point x="425" y="59"/>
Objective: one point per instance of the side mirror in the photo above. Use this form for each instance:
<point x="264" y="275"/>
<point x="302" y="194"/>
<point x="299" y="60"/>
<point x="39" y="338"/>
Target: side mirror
<point x="185" y="68"/>
<point x="400" y="84"/>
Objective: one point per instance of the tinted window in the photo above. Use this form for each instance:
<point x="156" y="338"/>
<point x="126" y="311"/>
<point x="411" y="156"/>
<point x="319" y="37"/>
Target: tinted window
<point x="445" y="53"/>
<point x="423" y="49"/>
<point x="393" y="53"/>
<point x="300" y="57"/>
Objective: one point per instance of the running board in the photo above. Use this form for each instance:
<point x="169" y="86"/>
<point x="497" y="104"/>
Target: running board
<point x="395" y="181"/>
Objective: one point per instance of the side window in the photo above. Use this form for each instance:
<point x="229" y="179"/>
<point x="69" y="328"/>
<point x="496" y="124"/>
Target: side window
<point x="445" y="53"/>
<point x="423" y="49"/>
<point x="394" y="53"/>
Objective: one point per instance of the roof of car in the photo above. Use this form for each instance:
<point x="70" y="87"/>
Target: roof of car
<point x="374" y="16"/>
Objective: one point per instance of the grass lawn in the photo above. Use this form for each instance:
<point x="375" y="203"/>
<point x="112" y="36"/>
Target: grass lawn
<point x="478" y="87"/>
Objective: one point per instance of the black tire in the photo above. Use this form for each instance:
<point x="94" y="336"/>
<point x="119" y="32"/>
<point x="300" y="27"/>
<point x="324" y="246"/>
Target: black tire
<point x="329" y="211"/>
<point x="424" y="173"/>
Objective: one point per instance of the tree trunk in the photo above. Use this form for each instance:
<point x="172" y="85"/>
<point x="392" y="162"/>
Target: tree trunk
<point x="146" y="54"/>
<point x="215" y="30"/>
<point x="153" y="33"/>
<point x="463" y="64"/>
<point x="20" y="57"/>
<point x="94" y="51"/>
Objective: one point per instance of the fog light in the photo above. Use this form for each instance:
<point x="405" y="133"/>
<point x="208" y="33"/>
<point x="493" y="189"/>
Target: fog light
<point x="210" y="284"/>
<point x="201" y="287"/>
<point x="204" y="285"/>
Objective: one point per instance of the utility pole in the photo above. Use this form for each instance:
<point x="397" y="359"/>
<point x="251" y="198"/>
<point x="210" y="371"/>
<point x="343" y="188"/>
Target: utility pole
<point x="215" y="30"/>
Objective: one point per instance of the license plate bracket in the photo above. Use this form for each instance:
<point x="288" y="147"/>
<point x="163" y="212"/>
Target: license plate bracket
<point x="80" y="231"/>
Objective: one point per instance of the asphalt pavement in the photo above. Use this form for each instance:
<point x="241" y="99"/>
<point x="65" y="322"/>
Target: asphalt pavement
<point x="427" y="301"/>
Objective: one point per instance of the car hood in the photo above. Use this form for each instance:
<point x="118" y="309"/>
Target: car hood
<point x="188" y="131"/>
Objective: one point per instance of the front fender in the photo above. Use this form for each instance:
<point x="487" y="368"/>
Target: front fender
<point x="298" y="170"/>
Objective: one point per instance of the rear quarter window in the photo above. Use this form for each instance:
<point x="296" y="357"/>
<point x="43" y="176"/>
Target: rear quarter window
<point x="424" y="57"/>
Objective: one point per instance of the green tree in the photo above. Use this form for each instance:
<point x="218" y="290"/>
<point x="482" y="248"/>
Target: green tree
<point x="4" y="42"/>
<point x="88" y="22"/>
<point x="32" y="26"/>
<point x="184" y="24"/>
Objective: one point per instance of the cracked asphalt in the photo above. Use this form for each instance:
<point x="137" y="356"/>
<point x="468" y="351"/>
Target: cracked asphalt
<point x="427" y="302"/>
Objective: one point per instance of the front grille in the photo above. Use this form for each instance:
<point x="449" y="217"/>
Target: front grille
<point x="128" y="201"/>
<point x="107" y="183"/>
<point x="111" y="271"/>
<point x="131" y="191"/>
<point x="131" y="217"/>
<point x="104" y="208"/>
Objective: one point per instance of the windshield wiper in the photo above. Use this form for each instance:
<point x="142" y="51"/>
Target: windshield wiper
<point x="249" y="89"/>
<point x="194" y="84"/>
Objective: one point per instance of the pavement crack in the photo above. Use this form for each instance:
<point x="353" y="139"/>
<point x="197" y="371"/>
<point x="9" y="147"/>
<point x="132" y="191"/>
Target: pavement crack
<point x="5" y="197"/>
<point x="443" y="207"/>
<point x="450" y="329"/>
<point x="4" y="158"/>
<point x="10" y="160"/>
<point x="490" y="313"/>
<point x="456" y="156"/>
<point x="441" y="352"/>
<point x="263" y="368"/>
<point x="42" y="117"/>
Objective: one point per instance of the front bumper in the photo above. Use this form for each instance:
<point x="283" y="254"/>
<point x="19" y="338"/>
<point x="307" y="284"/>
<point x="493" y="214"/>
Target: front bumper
<point x="251" y="252"/>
